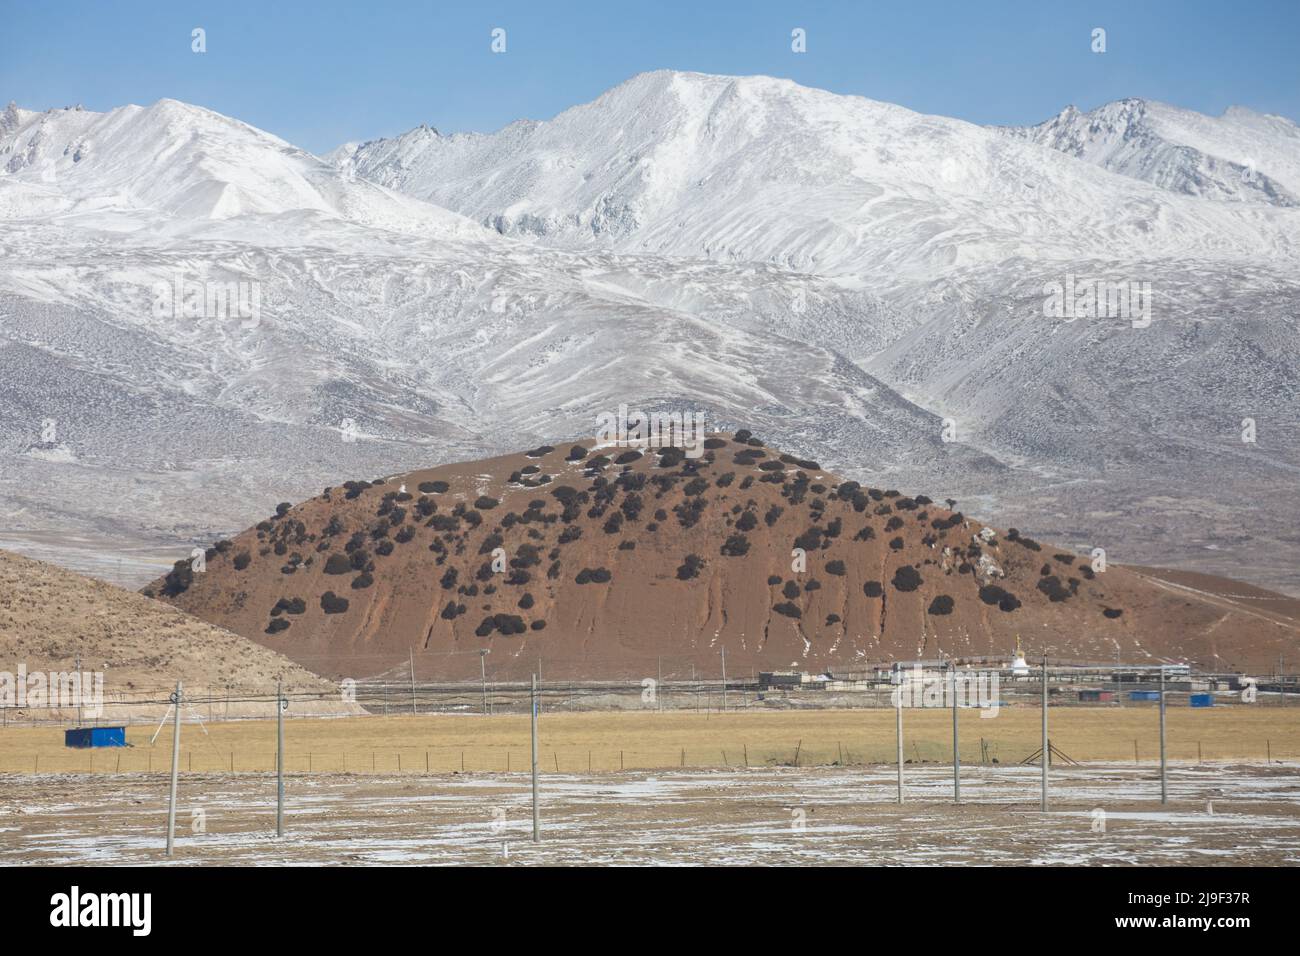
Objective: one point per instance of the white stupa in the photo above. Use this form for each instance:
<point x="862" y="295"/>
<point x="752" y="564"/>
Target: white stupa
<point x="1019" y="666"/>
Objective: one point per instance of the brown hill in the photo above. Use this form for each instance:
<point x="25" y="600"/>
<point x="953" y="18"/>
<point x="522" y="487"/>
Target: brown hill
<point x="614" y="563"/>
<point x="50" y="617"/>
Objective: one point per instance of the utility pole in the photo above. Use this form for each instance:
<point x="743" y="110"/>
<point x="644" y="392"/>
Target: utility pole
<point x="537" y="833"/>
<point x="77" y="671"/>
<point x="1046" y="745"/>
<point x="956" y="752"/>
<point x="411" y="653"/>
<point x="482" y="669"/>
<point x="724" y="679"/>
<point x="898" y="726"/>
<point x="176" y="766"/>
<point x="1164" y="784"/>
<point x="280" y="705"/>
<point x="659" y="686"/>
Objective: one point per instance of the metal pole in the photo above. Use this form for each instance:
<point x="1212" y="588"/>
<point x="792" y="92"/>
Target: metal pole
<point x="537" y="833"/>
<point x="659" y="687"/>
<point x="279" y="759"/>
<point x="411" y="652"/>
<point x="724" y="678"/>
<point x="898" y="727"/>
<point x="1046" y="745"/>
<point x="176" y="766"/>
<point x="956" y="752"/>
<point x="1164" y="784"/>
<point x="482" y="669"/>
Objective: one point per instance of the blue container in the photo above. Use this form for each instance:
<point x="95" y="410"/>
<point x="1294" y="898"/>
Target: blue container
<point x="1144" y="695"/>
<point x="95" y="737"/>
<point x="1201" y="700"/>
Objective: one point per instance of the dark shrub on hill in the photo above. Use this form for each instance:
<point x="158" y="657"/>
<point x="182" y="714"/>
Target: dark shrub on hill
<point x="896" y="544"/>
<point x="331" y="603"/>
<point x="873" y="589"/>
<point x="907" y="578"/>
<point x="362" y="581"/>
<point x="1008" y="603"/>
<point x="359" y="559"/>
<point x="540" y="451"/>
<point x="894" y="523"/>
<point x="614" y="523"/>
<point x="835" y="567"/>
<point x="277" y="625"/>
<point x="991" y="594"/>
<point x="484" y="503"/>
<point x="451" y="611"/>
<point x="282" y="509"/>
<point x="743" y="435"/>
<point x="773" y="513"/>
<point x="748" y="456"/>
<point x="696" y="486"/>
<point x="773" y="580"/>
<point x="942" y="604"/>
<point x="292" y="605"/>
<point x="771" y="466"/>
<point x="449" y="579"/>
<point x="434" y="487"/>
<point x="593" y="576"/>
<point x="1053" y="588"/>
<point x="832" y="619"/>
<point x="724" y="480"/>
<point x="748" y="521"/>
<point x="576" y="453"/>
<point x="810" y="540"/>
<point x="690" y="567"/>
<point x="671" y="457"/>
<point x="1066" y="559"/>
<point x="444" y="523"/>
<point x="735" y="546"/>
<point x="712" y="443"/>
<point x="384" y="548"/>
<point x="1112" y="612"/>
<point x="242" y="560"/>
<point x="526" y="601"/>
<point x="627" y="458"/>
<point x="538" y="625"/>
<point x="813" y="585"/>
<point x="518" y="577"/>
<point x="791" y="590"/>
<point x="866" y="534"/>
<point x="788" y="609"/>
<point x="178" y="579"/>
<point x="406" y="534"/>
<point x="338" y="564"/>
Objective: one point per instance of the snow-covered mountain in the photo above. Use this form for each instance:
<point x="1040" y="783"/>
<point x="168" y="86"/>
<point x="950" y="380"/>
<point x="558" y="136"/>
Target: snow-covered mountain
<point x="761" y="169"/>
<point x="838" y="274"/>
<point x="185" y="171"/>
<point x="1241" y="156"/>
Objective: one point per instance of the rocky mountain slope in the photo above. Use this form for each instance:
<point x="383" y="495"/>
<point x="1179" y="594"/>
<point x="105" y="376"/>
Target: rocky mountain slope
<point x="614" y="561"/>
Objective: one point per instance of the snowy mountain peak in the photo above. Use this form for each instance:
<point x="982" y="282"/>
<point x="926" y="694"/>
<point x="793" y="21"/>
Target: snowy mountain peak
<point x="1242" y="156"/>
<point x="173" y="165"/>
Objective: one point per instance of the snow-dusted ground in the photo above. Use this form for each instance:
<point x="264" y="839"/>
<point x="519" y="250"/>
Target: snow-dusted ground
<point x="1100" y="815"/>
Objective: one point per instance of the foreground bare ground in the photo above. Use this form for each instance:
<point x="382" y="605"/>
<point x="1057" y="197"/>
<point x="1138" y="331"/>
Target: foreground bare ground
<point x="1100" y="815"/>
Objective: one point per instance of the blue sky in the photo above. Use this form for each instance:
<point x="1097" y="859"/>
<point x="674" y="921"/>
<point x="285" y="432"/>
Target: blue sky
<point x="321" y="73"/>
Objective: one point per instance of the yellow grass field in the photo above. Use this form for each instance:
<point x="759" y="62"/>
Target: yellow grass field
<point x="577" y="742"/>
